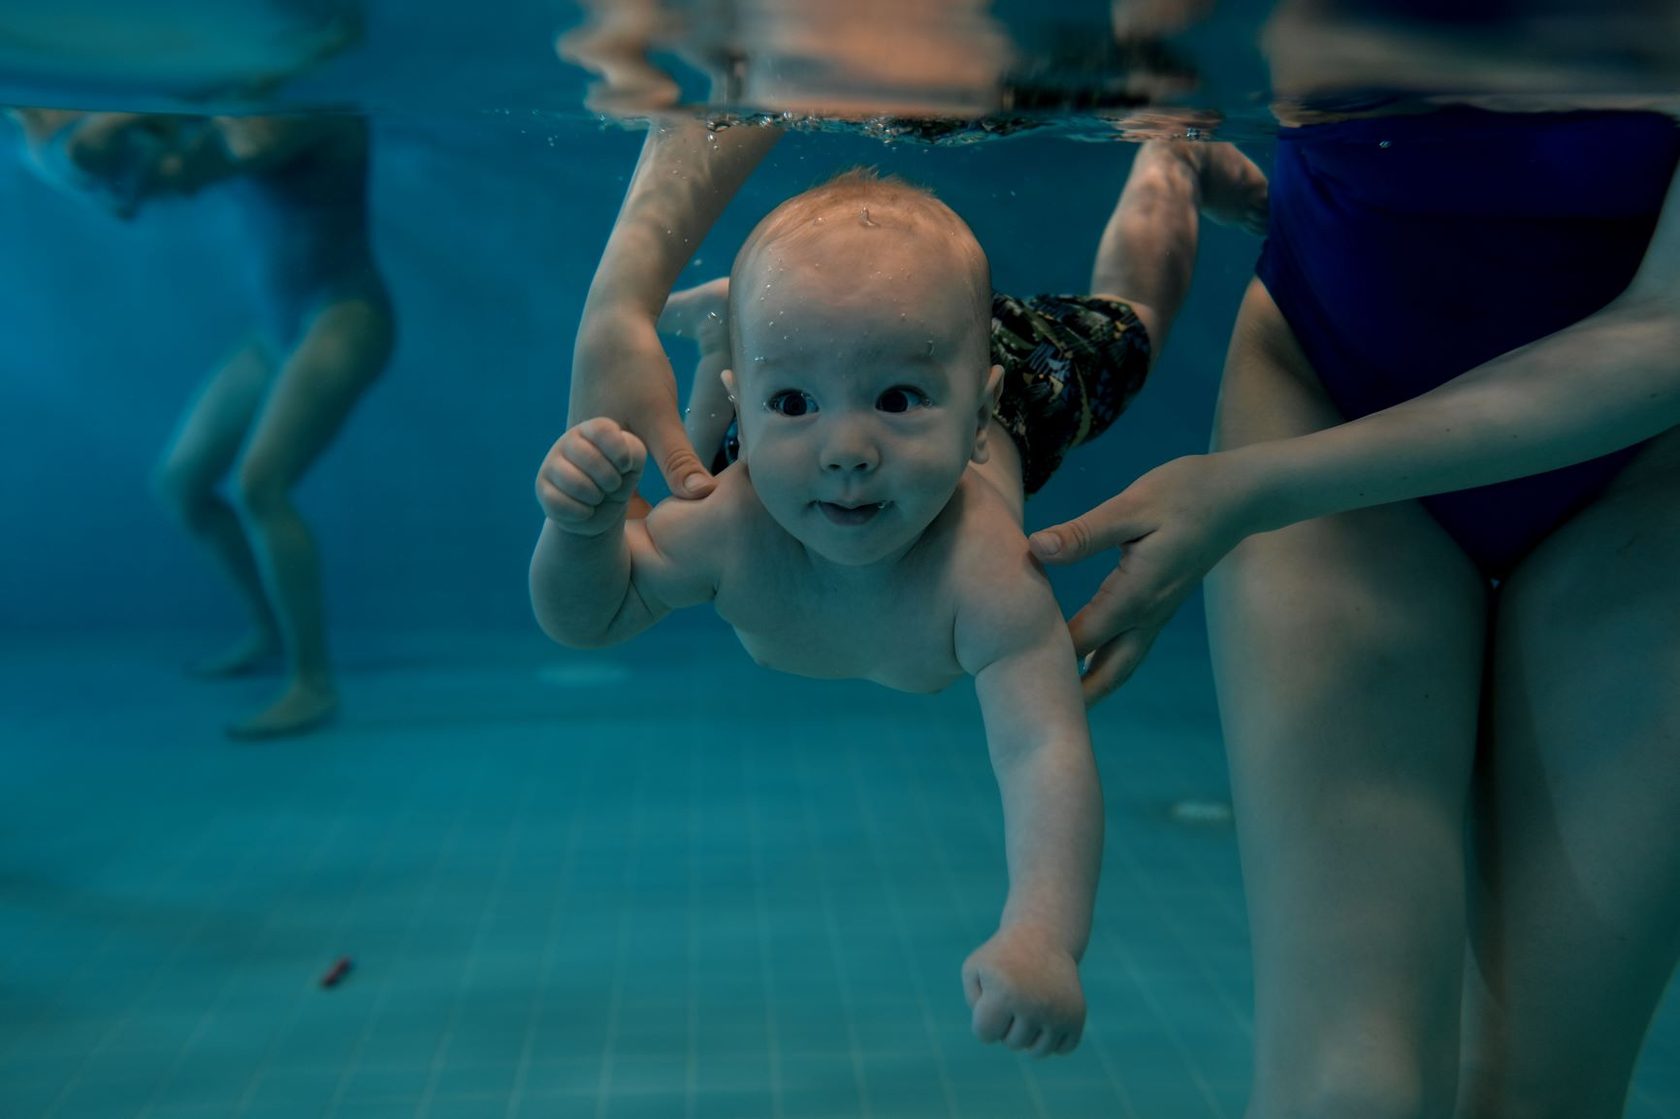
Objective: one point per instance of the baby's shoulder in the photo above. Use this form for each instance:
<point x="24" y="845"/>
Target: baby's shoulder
<point x="736" y="527"/>
<point x="986" y="541"/>
<point x="1002" y="597"/>
<point x="735" y="507"/>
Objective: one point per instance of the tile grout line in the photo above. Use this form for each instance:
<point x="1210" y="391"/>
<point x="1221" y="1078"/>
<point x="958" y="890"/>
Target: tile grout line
<point x="469" y="965"/>
<point x="545" y="967"/>
<point x="831" y="926"/>
<point x="901" y="932"/>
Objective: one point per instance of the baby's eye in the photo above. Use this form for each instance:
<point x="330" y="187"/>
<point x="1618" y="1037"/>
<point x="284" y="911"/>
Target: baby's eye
<point x="902" y="398"/>
<point x="791" y="402"/>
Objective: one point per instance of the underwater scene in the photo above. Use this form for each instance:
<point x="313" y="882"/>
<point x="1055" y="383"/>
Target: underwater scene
<point x="1157" y="521"/>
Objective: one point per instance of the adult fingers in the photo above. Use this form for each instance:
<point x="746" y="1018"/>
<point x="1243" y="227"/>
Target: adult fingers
<point x="685" y="475"/>
<point x="1115" y="608"/>
<point x="1113" y="664"/>
<point x="1109" y="525"/>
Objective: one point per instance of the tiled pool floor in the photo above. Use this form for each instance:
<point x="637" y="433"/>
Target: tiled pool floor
<point x="653" y="882"/>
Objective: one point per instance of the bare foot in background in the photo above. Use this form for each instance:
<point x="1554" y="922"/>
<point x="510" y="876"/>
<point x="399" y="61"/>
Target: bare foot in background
<point x="257" y="651"/>
<point x="303" y="707"/>
<point x="701" y="314"/>
<point x="697" y="313"/>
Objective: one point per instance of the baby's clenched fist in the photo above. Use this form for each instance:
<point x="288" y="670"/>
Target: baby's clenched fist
<point x="589" y="476"/>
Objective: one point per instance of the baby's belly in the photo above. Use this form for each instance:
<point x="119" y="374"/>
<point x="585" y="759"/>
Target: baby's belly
<point x="922" y="671"/>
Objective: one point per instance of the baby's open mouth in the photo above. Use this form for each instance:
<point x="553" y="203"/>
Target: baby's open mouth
<point x="851" y="514"/>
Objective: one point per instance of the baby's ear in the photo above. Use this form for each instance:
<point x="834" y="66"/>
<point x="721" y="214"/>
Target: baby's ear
<point x="988" y="405"/>
<point x="727" y="376"/>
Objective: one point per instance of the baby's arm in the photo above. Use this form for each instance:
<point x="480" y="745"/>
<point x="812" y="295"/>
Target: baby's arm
<point x="1023" y="983"/>
<point x="597" y="577"/>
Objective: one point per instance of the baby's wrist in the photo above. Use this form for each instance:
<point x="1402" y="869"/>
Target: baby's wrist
<point x="1042" y="933"/>
<point x="605" y="530"/>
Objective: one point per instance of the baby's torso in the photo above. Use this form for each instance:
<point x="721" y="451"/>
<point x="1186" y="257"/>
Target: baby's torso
<point x="900" y="632"/>
<point x="901" y="640"/>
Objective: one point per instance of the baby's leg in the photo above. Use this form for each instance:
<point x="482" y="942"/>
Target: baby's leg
<point x="1233" y="191"/>
<point x="197" y="457"/>
<point x="1148" y="249"/>
<point x="700" y="314"/>
<point x="342" y="352"/>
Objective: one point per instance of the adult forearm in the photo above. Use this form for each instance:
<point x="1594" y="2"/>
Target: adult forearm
<point x="1053" y="827"/>
<point x="1600" y="385"/>
<point x="579" y="584"/>
<point x="686" y="175"/>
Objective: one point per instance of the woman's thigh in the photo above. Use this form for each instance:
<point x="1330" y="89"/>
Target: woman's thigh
<point x="1348" y="662"/>
<point x="340" y="355"/>
<point x="214" y="425"/>
<point x="1576" y="901"/>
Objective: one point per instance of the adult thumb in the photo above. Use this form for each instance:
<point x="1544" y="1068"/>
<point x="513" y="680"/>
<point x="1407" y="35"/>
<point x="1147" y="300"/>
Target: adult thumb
<point x="1087" y="534"/>
<point x="685" y="475"/>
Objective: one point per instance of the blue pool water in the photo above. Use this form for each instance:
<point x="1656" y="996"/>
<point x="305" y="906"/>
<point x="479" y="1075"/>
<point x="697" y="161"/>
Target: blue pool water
<point x="562" y="901"/>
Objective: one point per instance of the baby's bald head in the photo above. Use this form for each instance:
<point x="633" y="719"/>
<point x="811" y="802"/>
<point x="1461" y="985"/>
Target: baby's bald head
<point x="859" y="215"/>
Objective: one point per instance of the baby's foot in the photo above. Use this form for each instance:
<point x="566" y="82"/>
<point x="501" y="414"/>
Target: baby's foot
<point x="1233" y="189"/>
<point x="302" y="708"/>
<point x="256" y="650"/>
<point x="697" y="313"/>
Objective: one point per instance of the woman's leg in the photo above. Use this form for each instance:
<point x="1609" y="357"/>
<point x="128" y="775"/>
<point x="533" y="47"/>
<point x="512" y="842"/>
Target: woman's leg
<point x="1576" y="887"/>
<point x="197" y="457"/>
<point x="341" y="353"/>
<point x="1348" y="662"/>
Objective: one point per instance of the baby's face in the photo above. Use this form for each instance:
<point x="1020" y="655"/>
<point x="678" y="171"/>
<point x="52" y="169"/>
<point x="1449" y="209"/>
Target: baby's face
<point x="860" y="387"/>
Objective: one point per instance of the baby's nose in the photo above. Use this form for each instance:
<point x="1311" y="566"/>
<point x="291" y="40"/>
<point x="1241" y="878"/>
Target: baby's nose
<point x="847" y="463"/>
<point x="850" y="451"/>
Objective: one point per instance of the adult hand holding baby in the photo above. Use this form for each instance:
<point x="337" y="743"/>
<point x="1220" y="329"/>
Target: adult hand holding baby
<point x="1171" y="526"/>
<point x="686" y="175"/>
<point x="620" y="370"/>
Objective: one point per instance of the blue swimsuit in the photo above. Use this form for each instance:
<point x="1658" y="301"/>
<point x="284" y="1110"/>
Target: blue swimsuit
<point x="1406" y="250"/>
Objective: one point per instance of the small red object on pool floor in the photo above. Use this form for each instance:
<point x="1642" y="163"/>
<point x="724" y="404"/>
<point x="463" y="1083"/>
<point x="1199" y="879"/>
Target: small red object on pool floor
<point x="336" y="973"/>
